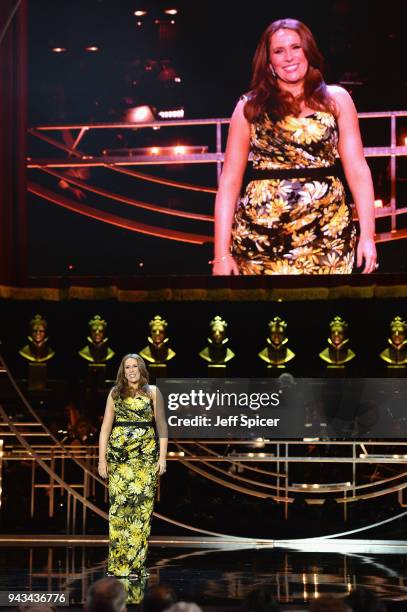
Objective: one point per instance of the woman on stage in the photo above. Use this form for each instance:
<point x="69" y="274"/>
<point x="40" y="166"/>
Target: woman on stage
<point x="291" y="216"/>
<point x="131" y="458"/>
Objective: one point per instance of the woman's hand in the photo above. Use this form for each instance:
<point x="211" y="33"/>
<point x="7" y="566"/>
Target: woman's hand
<point x="366" y="252"/>
<point x="102" y="469"/>
<point x="224" y="266"/>
<point x="162" y="466"/>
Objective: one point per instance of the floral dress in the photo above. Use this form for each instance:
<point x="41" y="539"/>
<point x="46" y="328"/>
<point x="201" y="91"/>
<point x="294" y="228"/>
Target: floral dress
<point x="294" y="225"/>
<point x="132" y="456"/>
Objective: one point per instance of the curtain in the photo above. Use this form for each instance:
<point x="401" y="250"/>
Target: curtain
<point x="13" y="130"/>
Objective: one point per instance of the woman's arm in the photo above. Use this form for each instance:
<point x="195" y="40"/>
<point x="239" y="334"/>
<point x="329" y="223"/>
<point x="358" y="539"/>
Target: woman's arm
<point x="162" y="429"/>
<point x="104" y="435"/>
<point x="357" y="174"/>
<point x="236" y="156"/>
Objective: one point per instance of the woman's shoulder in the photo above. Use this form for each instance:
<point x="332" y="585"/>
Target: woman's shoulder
<point x="239" y="115"/>
<point x="246" y="96"/>
<point x="342" y="100"/>
<point x="339" y="94"/>
<point x="150" y="390"/>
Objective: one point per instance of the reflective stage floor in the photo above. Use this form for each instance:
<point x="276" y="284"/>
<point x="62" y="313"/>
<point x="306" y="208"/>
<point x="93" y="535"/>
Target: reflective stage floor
<point x="213" y="573"/>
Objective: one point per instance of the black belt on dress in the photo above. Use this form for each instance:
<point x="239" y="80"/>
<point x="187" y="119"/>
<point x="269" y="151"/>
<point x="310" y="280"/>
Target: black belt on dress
<point x="134" y="423"/>
<point x="257" y="174"/>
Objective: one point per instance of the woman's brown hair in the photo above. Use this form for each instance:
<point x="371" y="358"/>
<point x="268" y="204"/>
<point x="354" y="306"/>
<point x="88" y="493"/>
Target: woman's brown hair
<point x="121" y="388"/>
<point x="265" y="95"/>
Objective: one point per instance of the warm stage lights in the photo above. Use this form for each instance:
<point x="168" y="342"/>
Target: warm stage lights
<point x="177" y="113"/>
<point x="140" y="114"/>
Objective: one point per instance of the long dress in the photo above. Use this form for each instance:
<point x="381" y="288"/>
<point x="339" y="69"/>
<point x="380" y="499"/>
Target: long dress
<point x="294" y="225"/>
<point x="132" y="456"/>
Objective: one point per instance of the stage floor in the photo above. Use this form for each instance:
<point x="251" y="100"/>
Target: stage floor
<point x="213" y="573"/>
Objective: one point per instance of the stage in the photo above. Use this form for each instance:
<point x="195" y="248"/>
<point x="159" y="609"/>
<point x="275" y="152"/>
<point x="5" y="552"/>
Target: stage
<point x="214" y="573"/>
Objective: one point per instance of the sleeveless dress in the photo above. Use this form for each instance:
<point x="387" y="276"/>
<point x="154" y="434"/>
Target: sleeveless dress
<point x="294" y="225"/>
<point x="132" y="456"/>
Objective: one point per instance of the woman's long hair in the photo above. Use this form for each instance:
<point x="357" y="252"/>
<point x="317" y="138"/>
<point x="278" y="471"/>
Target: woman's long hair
<point x="266" y="96"/>
<point x="121" y="388"/>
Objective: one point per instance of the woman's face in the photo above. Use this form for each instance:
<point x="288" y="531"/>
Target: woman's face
<point x="131" y="371"/>
<point x="287" y="56"/>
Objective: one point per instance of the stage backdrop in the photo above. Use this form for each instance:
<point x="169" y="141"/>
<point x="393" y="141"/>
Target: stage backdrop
<point x="13" y="113"/>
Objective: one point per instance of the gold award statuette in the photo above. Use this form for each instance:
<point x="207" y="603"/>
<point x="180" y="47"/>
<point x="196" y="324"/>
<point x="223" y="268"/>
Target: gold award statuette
<point x="276" y="354"/>
<point x="337" y="353"/>
<point x="37" y="350"/>
<point x="97" y="349"/>
<point x="157" y="351"/>
<point x="395" y="355"/>
<point x="217" y="353"/>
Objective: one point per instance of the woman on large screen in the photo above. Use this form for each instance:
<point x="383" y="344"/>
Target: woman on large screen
<point x="288" y="213"/>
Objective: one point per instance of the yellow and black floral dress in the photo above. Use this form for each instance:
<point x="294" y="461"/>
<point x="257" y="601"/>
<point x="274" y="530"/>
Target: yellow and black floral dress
<point x="294" y="225"/>
<point x="132" y="457"/>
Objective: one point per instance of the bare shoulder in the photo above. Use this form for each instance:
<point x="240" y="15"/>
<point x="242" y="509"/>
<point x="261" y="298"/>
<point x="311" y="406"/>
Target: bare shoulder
<point x="239" y="130"/>
<point x="246" y="97"/>
<point x="341" y="98"/>
<point x="238" y="113"/>
<point x="151" y="390"/>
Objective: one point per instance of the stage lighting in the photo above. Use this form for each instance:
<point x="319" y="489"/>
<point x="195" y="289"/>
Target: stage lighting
<point x="180" y="150"/>
<point x="176" y="113"/>
<point x="378" y="203"/>
<point x="140" y="13"/>
<point x="155" y="150"/>
<point x="171" y="11"/>
<point x="58" y="49"/>
<point x="92" y="48"/>
<point x="140" y="114"/>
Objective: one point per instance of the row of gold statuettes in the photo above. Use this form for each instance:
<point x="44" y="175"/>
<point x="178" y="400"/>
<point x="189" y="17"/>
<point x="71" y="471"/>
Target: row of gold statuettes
<point x="217" y="353"/>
